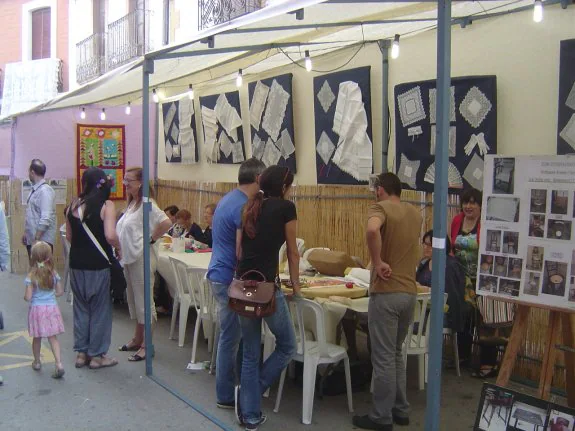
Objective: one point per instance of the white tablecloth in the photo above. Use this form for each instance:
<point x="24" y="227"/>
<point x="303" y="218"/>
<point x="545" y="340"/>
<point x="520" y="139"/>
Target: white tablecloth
<point x="198" y="260"/>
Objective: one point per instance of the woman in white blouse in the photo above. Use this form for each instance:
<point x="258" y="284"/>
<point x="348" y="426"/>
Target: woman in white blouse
<point x="131" y="232"/>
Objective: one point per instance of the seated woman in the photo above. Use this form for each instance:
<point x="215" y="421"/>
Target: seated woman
<point x="183" y="224"/>
<point x="175" y="230"/>
<point x="204" y="235"/>
<point x="454" y="282"/>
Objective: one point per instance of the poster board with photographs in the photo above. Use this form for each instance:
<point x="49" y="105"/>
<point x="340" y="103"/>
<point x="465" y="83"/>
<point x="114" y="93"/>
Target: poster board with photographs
<point x="527" y="248"/>
<point x="501" y="409"/>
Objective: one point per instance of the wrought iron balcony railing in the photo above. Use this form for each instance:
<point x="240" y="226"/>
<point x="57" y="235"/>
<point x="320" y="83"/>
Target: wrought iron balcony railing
<point x="128" y="38"/>
<point x="214" y="12"/>
<point x="90" y="58"/>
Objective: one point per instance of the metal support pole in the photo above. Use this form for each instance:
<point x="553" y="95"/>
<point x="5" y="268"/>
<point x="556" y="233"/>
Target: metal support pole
<point x="384" y="48"/>
<point x="435" y="345"/>
<point x="147" y="70"/>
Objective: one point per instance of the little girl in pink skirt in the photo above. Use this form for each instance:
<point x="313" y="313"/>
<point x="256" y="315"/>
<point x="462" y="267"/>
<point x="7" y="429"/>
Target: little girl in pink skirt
<point x="44" y="318"/>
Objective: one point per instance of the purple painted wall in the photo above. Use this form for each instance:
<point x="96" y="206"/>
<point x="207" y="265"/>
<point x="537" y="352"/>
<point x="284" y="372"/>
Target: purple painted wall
<point x="51" y="137"/>
<point x="5" y="136"/>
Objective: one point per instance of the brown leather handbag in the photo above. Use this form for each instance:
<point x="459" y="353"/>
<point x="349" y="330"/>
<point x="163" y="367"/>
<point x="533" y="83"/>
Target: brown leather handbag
<point x="252" y="298"/>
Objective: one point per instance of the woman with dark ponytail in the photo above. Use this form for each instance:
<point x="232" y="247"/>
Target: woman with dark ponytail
<point x="268" y="220"/>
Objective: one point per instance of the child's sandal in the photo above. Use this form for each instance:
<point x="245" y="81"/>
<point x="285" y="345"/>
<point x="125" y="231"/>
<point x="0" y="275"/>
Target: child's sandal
<point x="36" y="365"/>
<point x="58" y="373"/>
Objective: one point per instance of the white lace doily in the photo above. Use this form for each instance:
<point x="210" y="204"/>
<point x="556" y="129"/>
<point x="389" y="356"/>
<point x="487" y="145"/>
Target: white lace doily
<point x="408" y="170"/>
<point x="432" y="104"/>
<point x="473" y="173"/>
<point x="225" y="144"/>
<point x="169" y="152"/>
<point x="210" y="126"/>
<point x="275" y="110"/>
<point x="237" y="152"/>
<point x="325" y="147"/>
<point x="185" y="112"/>
<point x="570" y="101"/>
<point x="286" y="144"/>
<point x="454" y="180"/>
<point x="169" y="118"/>
<point x="189" y="153"/>
<point x="272" y="154"/>
<point x="475" y="107"/>
<point x="258" y="104"/>
<point x="410" y="105"/>
<point x="452" y="140"/>
<point x="258" y="147"/>
<point x="568" y="132"/>
<point x="175" y="132"/>
<point x="226" y="114"/>
<point x="325" y="96"/>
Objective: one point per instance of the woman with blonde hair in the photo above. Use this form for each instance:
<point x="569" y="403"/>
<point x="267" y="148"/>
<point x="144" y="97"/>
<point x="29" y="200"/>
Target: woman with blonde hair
<point x="131" y="232"/>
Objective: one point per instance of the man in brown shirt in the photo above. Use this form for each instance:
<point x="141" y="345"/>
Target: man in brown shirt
<point x="393" y="229"/>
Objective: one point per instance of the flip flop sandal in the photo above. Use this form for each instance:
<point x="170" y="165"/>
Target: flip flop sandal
<point x="136" y="358"/>
<point x="58" y="373"/>
<point x="36" y="365"/>
<point x="102" y="363"/>
<point x="126" y="348"/>
<point x="81" y="361"/>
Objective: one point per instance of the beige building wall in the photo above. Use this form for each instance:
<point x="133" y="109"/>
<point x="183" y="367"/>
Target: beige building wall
<point x="522" y="54"/>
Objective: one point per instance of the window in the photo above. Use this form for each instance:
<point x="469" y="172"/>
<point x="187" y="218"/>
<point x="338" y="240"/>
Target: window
<point x="41" y="35"/>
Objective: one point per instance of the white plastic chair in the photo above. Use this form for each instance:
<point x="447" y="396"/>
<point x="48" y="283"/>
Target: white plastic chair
<point x="312" y="354"/>
<point x="207" y="302"/>
<point x="183" y="301"/>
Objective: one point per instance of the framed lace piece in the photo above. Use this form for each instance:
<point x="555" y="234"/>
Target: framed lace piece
<point x="275" y="110"/>
<point x="227" y="115"/>
<point x="411" y="107"/>
<point x="568" y="132"/>
<point x="452" y="140"/>
<point x="286" y="144"/>
<point x="258" y="104"/>
<point x="225" y="144"/>
<point x="325" y="148"/>
<point x="325" y="96"/>
<point x="408" y="170"/>
<point x="570" y="102"/>
<point x="272" y="154"/>
<point x="473" y="173"/>
<point x="237" y="152"/>
<point x="433" y="104"/>
<point x="475" y="107"/>
<point x="258" y="146"/>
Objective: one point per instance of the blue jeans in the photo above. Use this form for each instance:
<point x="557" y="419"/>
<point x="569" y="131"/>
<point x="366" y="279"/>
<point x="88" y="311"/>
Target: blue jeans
<point x="255" y="381"/>
<point x="230" y="336"/>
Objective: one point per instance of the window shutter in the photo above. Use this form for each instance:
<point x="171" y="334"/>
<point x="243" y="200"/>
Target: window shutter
<point x="41" y="33"/>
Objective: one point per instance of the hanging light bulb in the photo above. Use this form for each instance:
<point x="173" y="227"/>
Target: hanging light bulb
<point x="395" y="47"/>
<point x="83" y="114"/>
<point x="308" y="64"/>
<point x="103" y="115"/>
<point x="538" y="11"/>
<point x="191" y="92"/>
<point x="239" y="79"/>
<point x="155" y="96"/>
<point x="128" y="109"/>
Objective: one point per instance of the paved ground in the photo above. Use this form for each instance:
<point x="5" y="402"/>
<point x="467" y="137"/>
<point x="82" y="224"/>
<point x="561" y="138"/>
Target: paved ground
<point x="123" y="397"/>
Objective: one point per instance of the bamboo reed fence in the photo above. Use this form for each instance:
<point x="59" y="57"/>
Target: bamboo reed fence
<point x="328" y="216"/>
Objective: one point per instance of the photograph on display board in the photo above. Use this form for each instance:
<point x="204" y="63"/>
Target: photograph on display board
<point x="503" y="209"/>
<point x="500" y="266"/>
<point x="180" y="137"/>
<point x="271" y="121"/>
<point x="502" y="409"/>
<point x="509" y="287"/>
<point x="493" y="241"/>
<point x="515" y="267"/>
<point x="559" y="229"/>
<point x="561" y="419"/>
<point x="538" y="200"/>
<point x="503" y="175"/>
<point x="222" y="126"/>
<point x="472" y="131"/>
<point x="510" y="242"/>
<point x="566" y="111"/>
<point x="532" y="283"/>
<point x="559" y="202"/>
<point x="537" y="225"/>
<point x="572" y="290"/>
<point x="486" y="264"/>
<point x="343" y="127"/>
<point x="554" y="278"/>
<point x="487" y="283"/>
<point x="535" y="258"/>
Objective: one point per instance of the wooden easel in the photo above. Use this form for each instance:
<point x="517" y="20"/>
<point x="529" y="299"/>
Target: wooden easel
<point x="559" y="321"/>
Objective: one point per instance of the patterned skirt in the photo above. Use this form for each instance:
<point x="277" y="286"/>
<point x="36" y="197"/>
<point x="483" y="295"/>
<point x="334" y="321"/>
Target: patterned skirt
<point x="45" y="321"/>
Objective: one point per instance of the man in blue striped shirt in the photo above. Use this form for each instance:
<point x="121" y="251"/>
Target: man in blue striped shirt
<point x="40" y="209"/>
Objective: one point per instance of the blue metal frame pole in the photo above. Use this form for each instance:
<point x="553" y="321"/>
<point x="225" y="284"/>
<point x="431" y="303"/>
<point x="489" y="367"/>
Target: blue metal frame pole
<point x="432" y="413"/>
<point x="147" y="70"/>
<point x="384" y="47"/>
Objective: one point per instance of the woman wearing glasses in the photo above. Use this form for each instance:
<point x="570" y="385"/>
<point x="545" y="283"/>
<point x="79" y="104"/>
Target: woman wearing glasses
<point x="131" y="232"/>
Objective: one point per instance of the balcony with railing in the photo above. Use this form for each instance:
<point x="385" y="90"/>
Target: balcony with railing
<point x="90" y="58"/>
<point x="214" y="12"/>
<point x="128" y="38"/>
